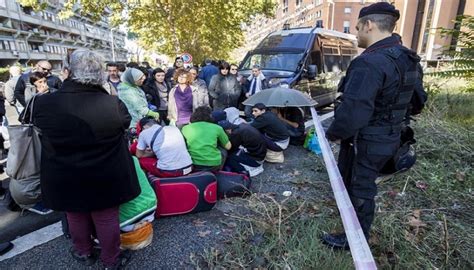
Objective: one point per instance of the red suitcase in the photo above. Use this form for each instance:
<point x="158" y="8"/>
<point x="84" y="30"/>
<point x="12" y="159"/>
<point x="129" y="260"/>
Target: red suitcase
<point x="192" y="193"/>
<point x="232" y="184"/>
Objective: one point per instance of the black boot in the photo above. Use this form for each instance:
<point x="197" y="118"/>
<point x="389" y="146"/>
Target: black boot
<point x="5" y="247"/>
<point x="336" y="241"/>
<point x="365" y="210"/>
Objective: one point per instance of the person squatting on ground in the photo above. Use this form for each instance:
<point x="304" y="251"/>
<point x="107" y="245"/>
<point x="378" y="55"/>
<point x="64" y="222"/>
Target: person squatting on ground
<point x="162" y="150"/>
<point x="86" y="169"/>
<point x="248" y="148"/>
<point x="133" y="96"/>
<point x="184" y="99"/>
<point x="205" y="141"/>
<point x="272" y="128"/>
<point x="376" y="96"/>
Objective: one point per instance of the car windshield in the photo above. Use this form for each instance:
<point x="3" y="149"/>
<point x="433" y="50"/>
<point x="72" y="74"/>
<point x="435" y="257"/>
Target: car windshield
<point x="274" y="60"/>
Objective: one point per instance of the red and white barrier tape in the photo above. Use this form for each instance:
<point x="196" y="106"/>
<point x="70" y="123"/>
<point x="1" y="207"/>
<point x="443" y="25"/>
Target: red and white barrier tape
<point x="360" y="250"/>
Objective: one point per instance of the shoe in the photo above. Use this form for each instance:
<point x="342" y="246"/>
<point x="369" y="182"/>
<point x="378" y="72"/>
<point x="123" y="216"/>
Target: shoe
<point x="87" y="260"/>
<point x="123" y="259"/>
<point x="336" y="241"/>
<point x="5" y="247"/>
<point x="38" y="208"/>
<point x="253" y="171"/>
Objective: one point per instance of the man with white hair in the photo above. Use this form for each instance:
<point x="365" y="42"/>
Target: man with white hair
<point x="24" y="90"/>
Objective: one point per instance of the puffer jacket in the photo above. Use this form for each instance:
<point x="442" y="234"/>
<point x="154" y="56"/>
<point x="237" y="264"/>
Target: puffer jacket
<point x="135" y="100"/>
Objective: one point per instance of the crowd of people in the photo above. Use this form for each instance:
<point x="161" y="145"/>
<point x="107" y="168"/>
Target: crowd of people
<point x="98" y="123"/>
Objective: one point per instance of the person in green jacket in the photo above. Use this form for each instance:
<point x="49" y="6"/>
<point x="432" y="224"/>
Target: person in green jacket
<point x="132" y="95"/>
<point x="140" y="208"/>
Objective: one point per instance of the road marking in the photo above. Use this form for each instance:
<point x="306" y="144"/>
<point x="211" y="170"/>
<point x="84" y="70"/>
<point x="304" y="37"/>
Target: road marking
<point x="33" y="239"/>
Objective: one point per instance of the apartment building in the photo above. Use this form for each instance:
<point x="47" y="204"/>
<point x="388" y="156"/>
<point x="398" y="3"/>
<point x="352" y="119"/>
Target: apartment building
<point x="421" y="20"/>
<point x="418" y="20"/>
<point x="27" y="36"/>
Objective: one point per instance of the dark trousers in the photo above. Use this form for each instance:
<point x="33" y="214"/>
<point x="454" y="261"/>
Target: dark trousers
<point x="359" y="172"/>
<point x="271" y="145"/>
<point x="236" y="159"/>
<point x="105" y="224"/>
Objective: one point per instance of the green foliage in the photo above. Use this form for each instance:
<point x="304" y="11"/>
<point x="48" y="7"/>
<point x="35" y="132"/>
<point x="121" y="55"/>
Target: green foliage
<point x="461" y="53"/>
<point x="202" y="28"/>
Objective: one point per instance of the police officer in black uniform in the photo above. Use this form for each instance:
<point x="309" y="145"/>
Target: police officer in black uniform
<point x="377" y="94"/>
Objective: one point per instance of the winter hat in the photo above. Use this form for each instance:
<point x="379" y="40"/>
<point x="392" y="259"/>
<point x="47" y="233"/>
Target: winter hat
<point x="226" y="124"/>
<point x="218" y="115"/>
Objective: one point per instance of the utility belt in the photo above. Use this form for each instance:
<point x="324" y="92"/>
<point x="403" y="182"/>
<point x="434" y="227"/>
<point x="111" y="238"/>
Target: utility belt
<point x="382" y="130"/>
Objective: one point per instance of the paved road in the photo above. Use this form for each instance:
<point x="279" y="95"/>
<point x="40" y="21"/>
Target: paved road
<point x="176" y="239"/>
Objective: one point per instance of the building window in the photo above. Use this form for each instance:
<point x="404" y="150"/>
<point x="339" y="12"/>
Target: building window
<point x="285" y="6"/>
<point x="347" y="10"/>
<point x="298" y="2"/>
<point x="319" y="24"/>
<point x="347" y="27"/>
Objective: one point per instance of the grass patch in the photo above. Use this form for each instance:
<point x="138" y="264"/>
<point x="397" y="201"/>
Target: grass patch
<point x="423" y="221"/>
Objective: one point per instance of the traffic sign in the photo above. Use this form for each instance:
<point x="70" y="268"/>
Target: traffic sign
<point x="187" y="58"/>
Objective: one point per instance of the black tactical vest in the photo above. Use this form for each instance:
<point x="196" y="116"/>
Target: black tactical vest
<point x="395" y="109"/>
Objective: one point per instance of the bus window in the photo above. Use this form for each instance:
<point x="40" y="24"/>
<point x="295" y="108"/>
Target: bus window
<point x="332" y="59"/>
<point x="347" y="55"/>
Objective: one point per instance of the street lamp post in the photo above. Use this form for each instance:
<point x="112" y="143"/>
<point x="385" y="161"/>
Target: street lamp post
<point x="112" y="43"/>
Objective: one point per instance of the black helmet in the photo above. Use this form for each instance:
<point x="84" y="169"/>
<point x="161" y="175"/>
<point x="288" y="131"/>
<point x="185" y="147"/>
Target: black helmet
<point x="405" y="157"/>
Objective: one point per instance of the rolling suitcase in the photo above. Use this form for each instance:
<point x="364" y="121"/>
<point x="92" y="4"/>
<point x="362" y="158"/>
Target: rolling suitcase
<point x="192" y="193"/>
<point x="232" y="184"/>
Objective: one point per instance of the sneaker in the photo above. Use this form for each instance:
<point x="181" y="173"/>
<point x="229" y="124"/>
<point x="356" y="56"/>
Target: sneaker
<point x="39" y="208"/>
<point x="87" y="260"/>
<point x="253" y="171"/>
<point x="123" y="259"/>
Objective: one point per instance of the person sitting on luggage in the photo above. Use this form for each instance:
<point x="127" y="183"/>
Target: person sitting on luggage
<point x="203" y="138"/>
<point x="273" y="129"/>
<point x="135" y="216"/>
<point x="248" y="148"/>
<point x="162" y="150"/>
<point x="293" y="118"/>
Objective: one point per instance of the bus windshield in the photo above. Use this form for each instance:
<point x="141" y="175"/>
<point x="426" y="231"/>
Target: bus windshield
<point x="287" y="61"/>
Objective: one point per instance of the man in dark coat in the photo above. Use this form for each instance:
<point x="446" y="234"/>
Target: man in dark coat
<point x="377" y="95"/>
<point x="86" y="169"/>
<point x="24" y="90"/>
<point x="208" y="71"/>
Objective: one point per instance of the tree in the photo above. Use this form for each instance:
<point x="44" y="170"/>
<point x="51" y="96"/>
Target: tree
<point x="462" y="53"/>
<point x="203" y="28"/>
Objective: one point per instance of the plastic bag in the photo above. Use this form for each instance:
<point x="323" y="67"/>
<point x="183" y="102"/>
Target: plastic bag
<point x="313" y="145"/>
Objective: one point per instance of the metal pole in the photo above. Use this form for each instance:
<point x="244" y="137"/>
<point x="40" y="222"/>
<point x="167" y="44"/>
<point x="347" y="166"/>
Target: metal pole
<point x="112" y="42"/>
